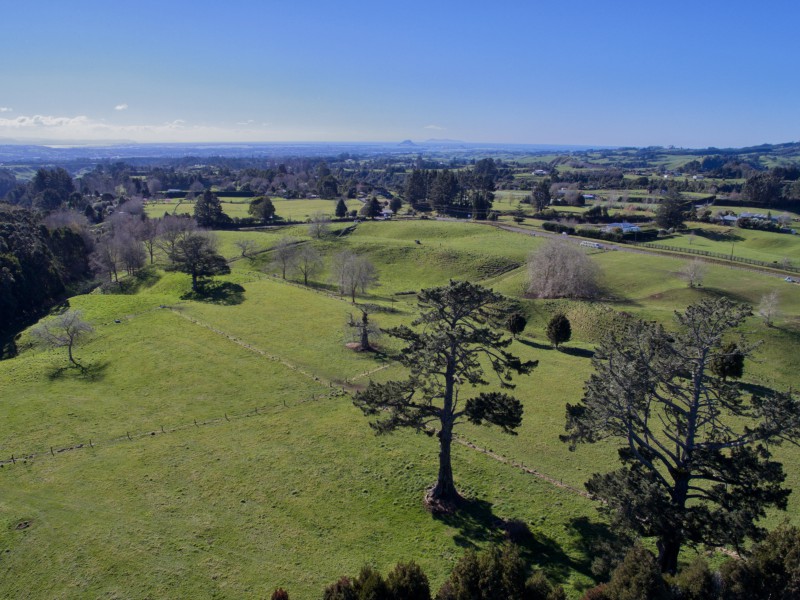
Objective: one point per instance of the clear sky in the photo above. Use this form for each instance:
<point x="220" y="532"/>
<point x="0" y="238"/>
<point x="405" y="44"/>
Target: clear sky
<point x="695" y="74"/>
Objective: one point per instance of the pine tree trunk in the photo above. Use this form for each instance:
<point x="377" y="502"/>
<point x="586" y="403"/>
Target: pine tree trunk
<point x="668" y="549"/>
<point x="445" y="490"/>
<point x="365" y="345"/>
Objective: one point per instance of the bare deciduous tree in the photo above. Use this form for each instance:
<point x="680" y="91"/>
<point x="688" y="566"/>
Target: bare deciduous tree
<point x="246" y="247"/>
<point x="308" y="262"/>
<point x="283" y="255"/>
<point x="351" y="273"/>
<point x="561" y="270"/>
<point x="693" y="272"/>
<point x="768" y="308"/>
<point x="173" y="229"/>
<point x="64" y="331"/>
<point x="319" y="225"/>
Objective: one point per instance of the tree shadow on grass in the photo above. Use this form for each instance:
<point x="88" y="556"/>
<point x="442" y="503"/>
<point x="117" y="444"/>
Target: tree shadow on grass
<point x="536" y="345"/>
<point x="87" y="372"/>
<point x="578" y="352"/>
<point x="756" y="389"/>
<point x="719" y="293"/>
<point x="217" y="292"/>
<point x="477" y="524"/>
<point x="599" y="546"/>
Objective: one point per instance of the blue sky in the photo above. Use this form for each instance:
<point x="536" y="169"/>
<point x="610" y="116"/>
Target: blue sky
<point x="691" y="74"/>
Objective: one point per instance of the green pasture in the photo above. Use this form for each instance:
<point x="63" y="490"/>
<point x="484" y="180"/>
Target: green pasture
<point x="765" y="246"/>
<point x="264" y="474"/>
<point x="290" y="210"/>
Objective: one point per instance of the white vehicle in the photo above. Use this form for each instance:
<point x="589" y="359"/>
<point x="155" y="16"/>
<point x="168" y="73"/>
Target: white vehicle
<point x="594" y="245"/>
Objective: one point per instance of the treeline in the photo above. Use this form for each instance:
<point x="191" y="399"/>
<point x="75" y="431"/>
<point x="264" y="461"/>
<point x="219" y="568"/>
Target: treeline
<point x="770" y="570"/>
<point x="40" y="259"/>
<point x="463" y="193"/>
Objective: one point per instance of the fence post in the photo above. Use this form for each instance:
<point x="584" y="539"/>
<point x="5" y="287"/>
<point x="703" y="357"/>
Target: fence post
<point x="51" y="451"/>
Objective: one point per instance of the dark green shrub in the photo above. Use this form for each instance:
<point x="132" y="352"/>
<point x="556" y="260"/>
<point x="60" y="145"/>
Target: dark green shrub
<point x="369" y="585"/>
<point x="538" y="587"/>
<point x="559" y="330"/>
<point x="695" y="582"/>
<point x="637" y="577"/>
<point x="408" y="582"/>
<point x="341" y="590"/>
<point x="771" y="571"/>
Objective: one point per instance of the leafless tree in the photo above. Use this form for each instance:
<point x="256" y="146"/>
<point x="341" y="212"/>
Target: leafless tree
<point x="246" y="247"/>
<point x="561" y="270"/>
<point x="283" y="255"/>
<point x="693" y="272"/>
<point x="319" y="225"/>
<point x="364" y="330"/>
<point x="351" y="273"/>
<point x="173" y="229"/>
<point x="131" y="252"/>
<point x="308" y="262"/>
<point x="149" y="230"/>
<point x="107" y="258"/>
<point x="768" y="308"/>
<point x="64" y="331"/>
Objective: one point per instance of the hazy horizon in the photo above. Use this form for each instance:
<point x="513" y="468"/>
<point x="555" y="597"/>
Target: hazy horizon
<point x="696" y="75"/>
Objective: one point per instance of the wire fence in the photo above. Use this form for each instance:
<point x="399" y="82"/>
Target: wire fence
<point x="729" y="257"/>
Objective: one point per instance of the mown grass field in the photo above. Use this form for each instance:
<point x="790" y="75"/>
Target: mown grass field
<point x="281" y="481"/>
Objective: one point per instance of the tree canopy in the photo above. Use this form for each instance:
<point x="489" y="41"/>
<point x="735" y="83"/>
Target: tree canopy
<point x="445" y="356"/>
<point x="696" y="466"/>
<point x="196" y="255"/>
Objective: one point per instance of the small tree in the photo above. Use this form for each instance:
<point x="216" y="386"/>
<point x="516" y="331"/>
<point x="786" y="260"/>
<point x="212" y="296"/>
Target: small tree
<point x="208" y="210"/>
<point x="562" y="270"/>
<point x="351" y="273"/>
<point x="693" y="272"/>
<point x="246" y="247"/>
<point x="283" y="255"/>
<point x="364" y="328"/>
<point x="196" y="255"/>
<point x="308" y="262"/>
<point x="768" y="308"/>
<point x="729" y="362"/>
<point x="559" y="330"/>
<point x="341" y="209"/>
<point x="516" y="323"/>
<point x="262" y="209"/>
<point x="319" y="225"/>
<point x="444" y="357"/>
<point x="669" y="214"/>
<point x="64" y="331"/>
